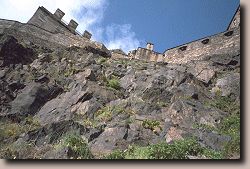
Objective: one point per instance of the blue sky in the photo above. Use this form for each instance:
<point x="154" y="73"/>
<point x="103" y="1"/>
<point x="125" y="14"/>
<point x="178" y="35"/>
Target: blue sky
<point x="168" y="23"/>
<point x="128" y="24"/>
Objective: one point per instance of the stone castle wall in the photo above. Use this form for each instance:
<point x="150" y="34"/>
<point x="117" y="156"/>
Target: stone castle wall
<point x="48" y="27"/>
<point x="146" y="54"/>
<point x="32" y="33"/>
<point x="225" y="42"/>
<point x="5" y="24"/>
<point x="235" y="21"/>
<point x="46" y="20"/>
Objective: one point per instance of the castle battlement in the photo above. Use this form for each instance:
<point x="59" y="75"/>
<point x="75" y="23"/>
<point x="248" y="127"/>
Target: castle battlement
<point x="55" y="23"/>
<point x="51" y="27"/>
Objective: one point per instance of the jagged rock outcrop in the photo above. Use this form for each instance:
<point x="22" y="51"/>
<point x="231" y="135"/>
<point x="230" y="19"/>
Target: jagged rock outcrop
<point x="46" y="94"/>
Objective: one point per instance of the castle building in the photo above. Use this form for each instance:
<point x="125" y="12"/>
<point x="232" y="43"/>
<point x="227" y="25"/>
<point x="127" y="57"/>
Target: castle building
<point x="229" y="40"/>
<point x="50" y="27"/>
<point x="54" y="23"/>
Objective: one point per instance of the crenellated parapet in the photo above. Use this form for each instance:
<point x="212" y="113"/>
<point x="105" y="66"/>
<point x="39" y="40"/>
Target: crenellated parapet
<point x="51" y="27"/>
<point x="55" y="23"/>
<point x="145" y="54"/>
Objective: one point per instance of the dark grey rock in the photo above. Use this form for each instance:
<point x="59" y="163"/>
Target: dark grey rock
<point x="2" y="73"/>
<point x="87" y="74"/>
<point x="110" y="139"/>
<point x="51" y="133"/>
<point x="88" y="108"/>
<point x="31" y="99"/>
<point x="214" y="140"/>
<point x="12" y="52"/>
<point x="62" y="153"/>
<point x="16" y="85"/>
<point x="186" y="114"/>
<point x="42" y="79"/>
<point x="60" y="108"/>
<point x="228" y="84"/>
<point x="222" y="59"/>
<point x="102" y="94"/>
<point x="127" y="82"/>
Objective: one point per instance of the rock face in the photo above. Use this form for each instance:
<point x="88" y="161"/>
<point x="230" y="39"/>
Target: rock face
<point x="32" y="98"/>
<point x="60" y="109"/>
<point x="229" y="84"/>
<point x="48" y="93"/>
<point x="11" y="52"/>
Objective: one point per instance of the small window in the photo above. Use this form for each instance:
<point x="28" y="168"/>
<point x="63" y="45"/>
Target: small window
<point x="205" y="41"/>
<point x="183" y="48"/>
<point x="229" y="33"/>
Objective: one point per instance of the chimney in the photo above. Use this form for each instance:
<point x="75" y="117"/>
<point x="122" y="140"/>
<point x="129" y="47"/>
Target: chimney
<point x="87" y="34"/>
<point x="150" y="46"/>
<point x="72" y="25"/>
<point x="59" y="14"/>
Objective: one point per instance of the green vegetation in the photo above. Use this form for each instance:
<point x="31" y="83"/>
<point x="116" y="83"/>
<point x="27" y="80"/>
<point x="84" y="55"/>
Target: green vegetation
<point x="212" y="154"/>
<point x="20" y="150"/>
<point x="204" y="126"/>
<point x="230" y="125"/>
<point x="117" y="154"/>
<point x="9" y="130"/>
<point x="162" y="104"/>
<point x="77" y="144"/>
<point x="102" y="60"/>
<point x="129" y="120"/>
<point x="106" y="113"/>
<point x="151" y="124"/>
<point x="122" y="62"/>
<point x="180" y="149"/>
<point x="224" y="103"/>
<point x="71" y="71"/>
<point x="114" y="83"/>
<point x="89" y="123"/>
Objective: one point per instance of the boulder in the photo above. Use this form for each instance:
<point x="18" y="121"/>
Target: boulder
<point x="87" y="74"/>
<point x="61" y="108"/>
<point x="102" y="94"/>
<point x="189" y="90"/>
<point x="202" y="70"/>
<point x="186" y="113"/>
<point x="32" y="98"/>
<point x="127" y="82"/>
<point x="109" y="140"/>
<point x="87" y="108"/>
<point x="214" y="140"/>
<point x="206" y="75"/>
<point x="228" y="84"/>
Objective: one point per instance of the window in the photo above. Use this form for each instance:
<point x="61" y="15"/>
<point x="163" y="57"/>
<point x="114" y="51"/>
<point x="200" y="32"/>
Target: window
<point x="205" y="41"/>
<point x="229" y="33"/>
<point x="183" y="48"/>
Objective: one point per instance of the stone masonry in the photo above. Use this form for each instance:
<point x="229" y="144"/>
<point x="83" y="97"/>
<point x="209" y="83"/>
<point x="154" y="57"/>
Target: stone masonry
<point x="50" y="27"/>
<point x="196" y="50"/>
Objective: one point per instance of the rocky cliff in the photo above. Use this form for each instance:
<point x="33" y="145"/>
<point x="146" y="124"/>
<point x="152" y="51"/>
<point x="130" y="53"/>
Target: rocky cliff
<point x="59" y="102"/>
